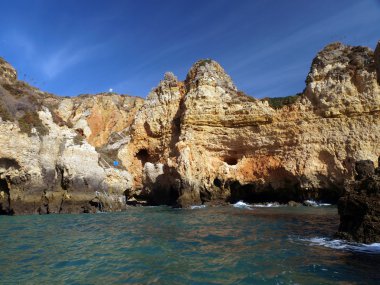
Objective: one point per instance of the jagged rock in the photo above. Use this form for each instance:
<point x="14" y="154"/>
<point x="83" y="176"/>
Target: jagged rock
<point x="364" y="169"/>
<point x="359" y="208"/>
<point x="7" y="72"/>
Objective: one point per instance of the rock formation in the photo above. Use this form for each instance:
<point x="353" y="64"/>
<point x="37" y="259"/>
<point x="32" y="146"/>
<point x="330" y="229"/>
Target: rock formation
<point x="190" y="142"/>
<point x="359" y="208"/>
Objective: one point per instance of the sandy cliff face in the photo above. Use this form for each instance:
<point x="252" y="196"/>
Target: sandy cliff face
<point x="99" y="115"/>
<point x="51" y="156"/>
<point x="194" y="141"/>
<point x="54" y="173"/>
<point x="233" y="147"/>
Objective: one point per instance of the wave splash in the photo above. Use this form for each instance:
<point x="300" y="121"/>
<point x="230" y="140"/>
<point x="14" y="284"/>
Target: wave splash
<point x="242" y="205"/>
<point x="344" y="245"/>
<point x="197" y="207"/>
<point x="268" y="205"/>
<point x="315" y="203"/>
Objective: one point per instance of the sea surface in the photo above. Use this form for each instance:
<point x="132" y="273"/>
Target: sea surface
<point x="238" y="244"/>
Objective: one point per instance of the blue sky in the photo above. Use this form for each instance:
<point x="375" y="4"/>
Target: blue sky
<point x="75" y="47"/>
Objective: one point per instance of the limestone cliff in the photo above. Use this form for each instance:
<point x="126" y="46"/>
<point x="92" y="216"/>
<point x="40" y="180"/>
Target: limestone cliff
<point x="194" y="141"/>
<point x="232" y="147"/>
<point x="48" y="159"/>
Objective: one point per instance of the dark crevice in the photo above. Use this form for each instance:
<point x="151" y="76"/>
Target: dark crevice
<point x="230" y="160"/>
<point x="143" y="155"/>
<point x="217" y="182"/>
<point x="9" y="163"/>
<point x="257" y="193"/>
<point x="5" y="199"/>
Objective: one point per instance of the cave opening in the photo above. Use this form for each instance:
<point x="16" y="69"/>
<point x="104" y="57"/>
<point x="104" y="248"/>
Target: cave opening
<point x="5" y="199"/>
<point x="6" y="163"/>
<point x="217" y="182"/>
<point x="143" y="155"/>
<point x="230" y="160"/>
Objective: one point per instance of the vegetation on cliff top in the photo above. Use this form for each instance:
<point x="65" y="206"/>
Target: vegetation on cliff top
<point x="20" y="102"/>
<point x="279" y="102"/>
<point x="203" y="62"/>
<point x="31" y="120"/>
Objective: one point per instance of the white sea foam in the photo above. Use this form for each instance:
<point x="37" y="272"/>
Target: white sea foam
<point x="344" y="245"/>
<point x="316" y="204"/>
<point x="242" y="205"/>
<point x="267" y="205"/>
<point x="197" y="207"/>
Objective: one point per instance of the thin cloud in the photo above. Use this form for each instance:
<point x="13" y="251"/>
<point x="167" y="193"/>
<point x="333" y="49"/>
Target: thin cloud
<point x="67" y="57"/>
<point x="337" y="24"/>
<point x="20" y="42"/>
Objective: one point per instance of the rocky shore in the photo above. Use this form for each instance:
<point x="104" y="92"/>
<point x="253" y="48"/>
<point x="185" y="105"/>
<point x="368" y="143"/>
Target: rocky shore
<point x="359" y="208"/>
<point x="197" y="141"/>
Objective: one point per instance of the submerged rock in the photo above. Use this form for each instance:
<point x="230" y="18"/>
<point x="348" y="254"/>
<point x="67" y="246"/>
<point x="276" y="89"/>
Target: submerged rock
<point x="359" y="208"/>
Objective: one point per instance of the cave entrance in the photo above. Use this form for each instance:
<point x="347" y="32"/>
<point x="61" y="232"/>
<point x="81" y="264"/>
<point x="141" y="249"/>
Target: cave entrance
<point x="6" y="163"/>
<point x="230" y="160"/>
<point x="5" y="199"/>
<point x="218" y="183"/>
<point x="143" y="155"/>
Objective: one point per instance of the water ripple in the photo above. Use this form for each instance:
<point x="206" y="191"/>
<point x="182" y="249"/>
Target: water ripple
<point x="159" y="245"/>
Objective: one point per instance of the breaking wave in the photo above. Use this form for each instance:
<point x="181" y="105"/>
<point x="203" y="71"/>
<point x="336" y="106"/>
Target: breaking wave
<point x="268" y="205"/>
<point x="197" y="207"/>
<point x="242" y="205"/>
<point x="344" y="245"/>
<point x="315" y="203"/>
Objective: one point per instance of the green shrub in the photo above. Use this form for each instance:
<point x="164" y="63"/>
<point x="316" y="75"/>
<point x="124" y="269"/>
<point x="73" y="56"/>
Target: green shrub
<point x="203" y="62"/>
<point x="4" y="113"/>
<point x="244" y="97"/>
<point x="31" y="120"/>
<point x="279" y="102"/>
<point x="78" y="139"/>
<point x="14" y="90"/>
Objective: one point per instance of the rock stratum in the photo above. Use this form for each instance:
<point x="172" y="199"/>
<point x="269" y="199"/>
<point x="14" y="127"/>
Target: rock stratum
<point x="197" y="141"/>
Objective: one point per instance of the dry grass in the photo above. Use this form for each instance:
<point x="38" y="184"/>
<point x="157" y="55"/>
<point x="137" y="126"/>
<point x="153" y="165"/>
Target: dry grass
<point x="31" y="120"/>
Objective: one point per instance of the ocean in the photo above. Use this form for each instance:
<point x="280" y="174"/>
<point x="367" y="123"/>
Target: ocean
<point x="238" y="244"/>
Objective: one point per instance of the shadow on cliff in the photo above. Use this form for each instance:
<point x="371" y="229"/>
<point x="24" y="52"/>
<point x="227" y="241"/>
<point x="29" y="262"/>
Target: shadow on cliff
<point x="282" y="187"/>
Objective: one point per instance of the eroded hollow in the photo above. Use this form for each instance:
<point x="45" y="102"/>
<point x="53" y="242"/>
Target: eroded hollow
<point x="6" y="163"/>
<point x="5" y="201"/>
<point x="144" y="156"/>
<point x="230" y="160"/>
<point x="218" y="183"/>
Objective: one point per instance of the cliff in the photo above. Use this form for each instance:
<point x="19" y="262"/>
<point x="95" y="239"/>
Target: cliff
<point x="194" y="141"/>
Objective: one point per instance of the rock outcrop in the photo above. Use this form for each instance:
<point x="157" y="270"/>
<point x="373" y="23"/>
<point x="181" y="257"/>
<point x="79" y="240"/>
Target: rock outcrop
<point x="359" y="208"/>
<point x="232" y="147"/>
<point x="191" y="142"/>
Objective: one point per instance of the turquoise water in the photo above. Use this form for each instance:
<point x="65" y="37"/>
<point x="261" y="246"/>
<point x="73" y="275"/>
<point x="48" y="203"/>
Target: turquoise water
<point x="160" y="245"/>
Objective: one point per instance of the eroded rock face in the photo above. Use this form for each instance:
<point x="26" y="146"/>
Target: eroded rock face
<point x="359" y="208"/>
<point x="197" y="141"/>
<point x="343" y="80"/>
<point x="53" y="174"/>
<point x="233" y="147"/>
<point x="99" y="116"/>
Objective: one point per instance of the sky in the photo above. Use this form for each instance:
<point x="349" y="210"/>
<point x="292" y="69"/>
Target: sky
<point x="266" y="46"/>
